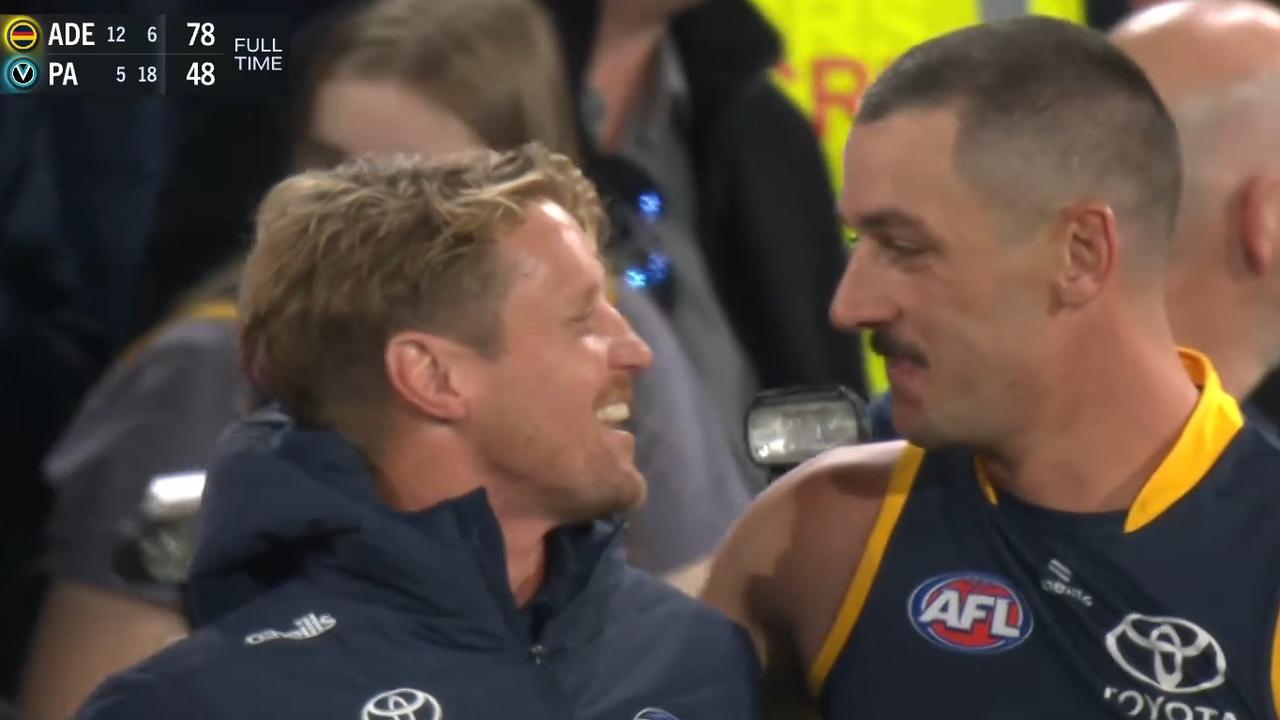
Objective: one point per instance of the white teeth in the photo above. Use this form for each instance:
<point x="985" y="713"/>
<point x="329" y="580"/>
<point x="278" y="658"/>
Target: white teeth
<point x="615" y="413"/>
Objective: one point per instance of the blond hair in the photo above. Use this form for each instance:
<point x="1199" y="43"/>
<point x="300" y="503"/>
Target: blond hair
<point x="495" y="64"/>
<point x="345" y="258"/>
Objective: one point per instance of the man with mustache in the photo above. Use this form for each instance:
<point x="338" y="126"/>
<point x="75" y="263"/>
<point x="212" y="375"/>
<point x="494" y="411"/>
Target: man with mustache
<point x="1080" y="523"/>
<point x="428" y="533"/>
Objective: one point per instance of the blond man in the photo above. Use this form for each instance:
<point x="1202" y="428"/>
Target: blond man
<point x="425" y="530"/>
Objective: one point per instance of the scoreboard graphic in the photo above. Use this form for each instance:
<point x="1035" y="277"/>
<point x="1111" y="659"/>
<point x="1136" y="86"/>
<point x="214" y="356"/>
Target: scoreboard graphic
<point x="136" y="55"/>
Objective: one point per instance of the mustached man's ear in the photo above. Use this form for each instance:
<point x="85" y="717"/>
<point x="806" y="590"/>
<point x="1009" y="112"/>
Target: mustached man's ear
<point x="1260" y="223"/>
<point x="1087" y="253"/>
<point x="424" y="371"/>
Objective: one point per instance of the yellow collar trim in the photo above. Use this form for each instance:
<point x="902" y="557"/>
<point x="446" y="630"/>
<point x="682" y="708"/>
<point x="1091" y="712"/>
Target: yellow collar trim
<point x="1211" y="427"/>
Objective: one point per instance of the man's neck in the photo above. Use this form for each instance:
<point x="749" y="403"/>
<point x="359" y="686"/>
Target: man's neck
<point x="402" y="485"/>
<point x="1117" y="416"/>
<point x="526" y="547"/>
<point x="622" y="65"/>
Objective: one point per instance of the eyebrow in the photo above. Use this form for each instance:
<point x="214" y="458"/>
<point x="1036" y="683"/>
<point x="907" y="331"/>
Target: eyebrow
<point x="883" y="221"/>
<point x="586" y="294"/>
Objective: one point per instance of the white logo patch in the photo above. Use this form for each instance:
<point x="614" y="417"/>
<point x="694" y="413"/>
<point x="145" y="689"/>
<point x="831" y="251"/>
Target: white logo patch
<point x="402" y="704"/>
<point x="1168" y="653"/>
<point x="305" y="628"/>
<point x="1060" y="583"/>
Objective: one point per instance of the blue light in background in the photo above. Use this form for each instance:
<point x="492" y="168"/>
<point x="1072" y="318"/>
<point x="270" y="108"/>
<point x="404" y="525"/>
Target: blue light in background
<point x="636" y="279"/>
<point x="650" y="204"/>
<point x="655" y="271"/>
<point x="659" y="267"/>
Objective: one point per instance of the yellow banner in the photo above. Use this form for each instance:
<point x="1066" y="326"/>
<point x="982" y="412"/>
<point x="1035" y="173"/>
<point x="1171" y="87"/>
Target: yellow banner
<point x="836" y="48"/>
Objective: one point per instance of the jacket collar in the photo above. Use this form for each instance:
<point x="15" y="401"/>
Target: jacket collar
<point x="284" y="501"/>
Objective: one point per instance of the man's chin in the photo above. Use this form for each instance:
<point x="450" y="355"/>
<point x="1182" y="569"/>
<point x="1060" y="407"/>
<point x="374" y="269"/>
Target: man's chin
<point x="623" y="496"/>
<point x="923" y="434"/>
<point x="630" y="493"/>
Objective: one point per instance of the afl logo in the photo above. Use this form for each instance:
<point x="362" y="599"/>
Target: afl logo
<point x="970" y="612"/>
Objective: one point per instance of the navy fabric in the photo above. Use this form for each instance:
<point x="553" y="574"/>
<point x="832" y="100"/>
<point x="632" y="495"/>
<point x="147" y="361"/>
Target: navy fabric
<point x="1015" y="611"/>
<point x="312" y="599"/>
<point x="880" y="411"/>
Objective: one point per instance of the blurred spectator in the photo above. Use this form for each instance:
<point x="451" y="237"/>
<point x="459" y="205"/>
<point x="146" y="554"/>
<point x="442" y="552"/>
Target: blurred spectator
<point x="158" y="410"/>
<point x="49" y="355"/>
<point x="677" y="99"/>
<point x="424" y="76"/>
<point x="1217" y="65"/>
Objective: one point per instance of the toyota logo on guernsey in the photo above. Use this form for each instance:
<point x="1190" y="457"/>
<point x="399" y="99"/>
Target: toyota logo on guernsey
<point x="970" y="612"/>
<point x="1168" y="653"/>
<point x="402" y="704"/>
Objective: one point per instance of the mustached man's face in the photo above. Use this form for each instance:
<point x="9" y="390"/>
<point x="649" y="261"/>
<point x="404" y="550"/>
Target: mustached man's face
<point x="958" y="311"/>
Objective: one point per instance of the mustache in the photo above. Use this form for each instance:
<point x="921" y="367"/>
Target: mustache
<point x="893" y="347"/>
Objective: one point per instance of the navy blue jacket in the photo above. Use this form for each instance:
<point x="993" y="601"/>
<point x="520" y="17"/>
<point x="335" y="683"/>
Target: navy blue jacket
<point x="312" y="599"/>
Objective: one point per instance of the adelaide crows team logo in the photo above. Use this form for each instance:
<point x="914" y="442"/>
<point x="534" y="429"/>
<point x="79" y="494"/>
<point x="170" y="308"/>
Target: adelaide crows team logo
<point x="970" y="612"/>
<point x="21" y="34"/>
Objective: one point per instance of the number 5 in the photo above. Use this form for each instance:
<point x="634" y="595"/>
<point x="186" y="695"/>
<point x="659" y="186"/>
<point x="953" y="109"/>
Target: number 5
<point x="119" y="73"/>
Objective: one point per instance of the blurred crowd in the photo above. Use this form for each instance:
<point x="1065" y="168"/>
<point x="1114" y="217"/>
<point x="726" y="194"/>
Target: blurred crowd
<point x="127" y="225"/>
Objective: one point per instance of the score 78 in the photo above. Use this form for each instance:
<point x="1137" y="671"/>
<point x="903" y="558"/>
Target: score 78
<point x="202" y="31"/>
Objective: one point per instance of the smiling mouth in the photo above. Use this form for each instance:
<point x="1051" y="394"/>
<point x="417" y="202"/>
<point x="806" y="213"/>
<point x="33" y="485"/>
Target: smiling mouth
<point x="617" y="412"/>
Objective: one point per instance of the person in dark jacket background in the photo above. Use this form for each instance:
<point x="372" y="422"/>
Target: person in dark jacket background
<point x="677" y="100"/>
<point x="420" y="534"/>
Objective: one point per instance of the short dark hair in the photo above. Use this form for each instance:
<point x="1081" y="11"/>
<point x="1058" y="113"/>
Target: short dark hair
<point x="1044" y="107"/>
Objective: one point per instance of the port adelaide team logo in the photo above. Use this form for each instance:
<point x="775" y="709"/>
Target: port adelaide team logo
<point x="970" y="612"/>
<point x="21" y="73"/>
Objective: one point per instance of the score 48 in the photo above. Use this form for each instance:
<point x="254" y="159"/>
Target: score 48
<point x="201" y="73"/>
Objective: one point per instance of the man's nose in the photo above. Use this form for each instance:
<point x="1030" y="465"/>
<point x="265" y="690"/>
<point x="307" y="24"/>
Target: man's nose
<point x="629" y="351"/>
<point x="860" y="300"/>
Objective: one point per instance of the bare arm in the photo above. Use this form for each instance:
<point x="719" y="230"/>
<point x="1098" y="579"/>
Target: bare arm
<point x="691" y="578"/>
<point x="784" y="570"/>
<point x="86" y="634"/>
<point x="746" y="581"/>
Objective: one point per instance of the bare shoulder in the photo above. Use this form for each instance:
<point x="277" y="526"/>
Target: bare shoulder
<point x="814" y="501"/>
<point x="790" y="557"/>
